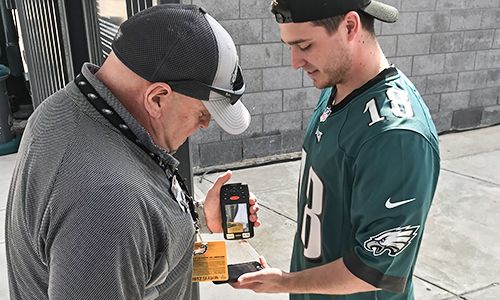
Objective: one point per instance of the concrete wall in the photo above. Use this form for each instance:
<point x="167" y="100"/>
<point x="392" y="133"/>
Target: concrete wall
<point x="449" y="48"/>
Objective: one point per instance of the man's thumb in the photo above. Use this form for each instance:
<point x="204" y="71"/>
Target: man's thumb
<point x="222" y="179"/>
<point x="263" y="262"/>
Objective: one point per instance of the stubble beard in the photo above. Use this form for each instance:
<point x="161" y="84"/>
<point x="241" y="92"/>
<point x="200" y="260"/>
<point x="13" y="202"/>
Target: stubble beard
<point x="335" y="72"/>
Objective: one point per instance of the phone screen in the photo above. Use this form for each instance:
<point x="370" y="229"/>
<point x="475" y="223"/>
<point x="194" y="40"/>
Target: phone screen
<point x="237" y="218"/>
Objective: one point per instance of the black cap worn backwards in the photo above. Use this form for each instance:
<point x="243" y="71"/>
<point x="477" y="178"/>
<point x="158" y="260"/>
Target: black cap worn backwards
<point x="311" y="10"/>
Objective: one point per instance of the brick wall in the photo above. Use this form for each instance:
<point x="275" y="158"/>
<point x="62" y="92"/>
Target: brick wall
<point x="450" y="49"/>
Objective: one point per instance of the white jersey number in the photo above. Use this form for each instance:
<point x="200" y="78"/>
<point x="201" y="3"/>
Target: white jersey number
<point x="311" y="221"/>
<point x="400" y="106"/>
<point x="371" y="106"/>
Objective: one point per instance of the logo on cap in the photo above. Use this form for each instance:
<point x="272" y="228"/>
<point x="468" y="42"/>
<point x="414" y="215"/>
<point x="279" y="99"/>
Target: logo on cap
<point x="234" y="74"/>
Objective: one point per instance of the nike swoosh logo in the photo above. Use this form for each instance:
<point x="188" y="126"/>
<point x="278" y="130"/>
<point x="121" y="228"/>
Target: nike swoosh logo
<point x="390" y="204"/>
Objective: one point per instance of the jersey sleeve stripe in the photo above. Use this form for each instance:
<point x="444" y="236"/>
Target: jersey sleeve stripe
<point x="373" y="276"/>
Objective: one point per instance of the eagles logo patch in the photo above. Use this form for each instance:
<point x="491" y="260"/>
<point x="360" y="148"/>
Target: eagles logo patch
<point x="394" y="241"/>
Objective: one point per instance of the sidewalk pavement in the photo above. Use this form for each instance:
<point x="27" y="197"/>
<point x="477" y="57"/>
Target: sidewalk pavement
<point x="460" y="253"/>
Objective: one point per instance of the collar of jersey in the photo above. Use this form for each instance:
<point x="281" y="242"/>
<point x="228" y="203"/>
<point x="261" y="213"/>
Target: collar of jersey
<point x="382" y="76"/>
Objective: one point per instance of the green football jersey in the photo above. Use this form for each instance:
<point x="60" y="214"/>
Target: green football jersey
<point x="368" y="175"/>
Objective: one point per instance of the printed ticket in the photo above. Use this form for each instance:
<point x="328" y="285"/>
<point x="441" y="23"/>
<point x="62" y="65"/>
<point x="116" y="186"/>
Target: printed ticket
<point x="210" y="261"/>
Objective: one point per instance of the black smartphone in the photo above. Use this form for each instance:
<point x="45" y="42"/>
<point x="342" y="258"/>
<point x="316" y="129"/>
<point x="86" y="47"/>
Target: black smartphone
<point x="236" y="270"/>
<point x="235" y="211"/>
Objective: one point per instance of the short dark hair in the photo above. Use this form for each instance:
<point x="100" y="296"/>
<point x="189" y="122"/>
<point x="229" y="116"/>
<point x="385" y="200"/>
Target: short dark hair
<point x="331" y="24"/>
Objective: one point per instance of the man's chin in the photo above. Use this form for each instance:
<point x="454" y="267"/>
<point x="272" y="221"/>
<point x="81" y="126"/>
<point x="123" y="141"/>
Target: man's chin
<point x="320" y="84"/>
<point x="323" y="83"/>
<point x="176" y="147"/>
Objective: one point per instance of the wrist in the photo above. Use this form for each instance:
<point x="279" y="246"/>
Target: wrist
<point x="294" y="283"/>
<point x="289" y="281"/>
<point x="202" y="220"/>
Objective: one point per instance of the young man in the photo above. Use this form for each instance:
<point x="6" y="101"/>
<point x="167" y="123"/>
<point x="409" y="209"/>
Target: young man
<point x="96" y="209"/>
<point x="370" y="160"/>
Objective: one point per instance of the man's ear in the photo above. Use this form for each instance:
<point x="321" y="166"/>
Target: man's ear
<point x="352" y="24"/>
<point x="156" y="98"/>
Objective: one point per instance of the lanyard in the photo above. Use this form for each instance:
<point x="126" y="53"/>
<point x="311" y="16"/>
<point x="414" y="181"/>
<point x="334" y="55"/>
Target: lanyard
<point x="112" y="116"/>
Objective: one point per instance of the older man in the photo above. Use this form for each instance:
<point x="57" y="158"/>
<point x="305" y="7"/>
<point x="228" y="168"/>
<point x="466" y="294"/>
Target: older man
<point x="96" y="209"/>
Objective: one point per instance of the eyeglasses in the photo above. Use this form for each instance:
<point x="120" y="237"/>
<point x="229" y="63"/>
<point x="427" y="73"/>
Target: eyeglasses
<point x="200" y="90"/>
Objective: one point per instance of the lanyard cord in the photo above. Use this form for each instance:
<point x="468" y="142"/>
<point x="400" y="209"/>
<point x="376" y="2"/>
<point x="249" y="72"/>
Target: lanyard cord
<point x="112" y="116"/>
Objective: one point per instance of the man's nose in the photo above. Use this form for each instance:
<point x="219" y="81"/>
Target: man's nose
<point x="297" y="58"/>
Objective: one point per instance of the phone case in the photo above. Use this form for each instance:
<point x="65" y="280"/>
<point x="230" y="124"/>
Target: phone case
<point x="236" y="270"/>
<point x="235" y="212"/>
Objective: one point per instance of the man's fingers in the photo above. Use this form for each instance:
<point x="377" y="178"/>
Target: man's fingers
<point x="254" y="208"/>
<point x="256" y="222"/>
<point x="252" y="199"/>
<point x="250" y="286"/>
<point x="249" y="278"/>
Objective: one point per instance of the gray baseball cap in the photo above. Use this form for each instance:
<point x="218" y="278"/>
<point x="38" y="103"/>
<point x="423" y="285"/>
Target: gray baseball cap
<point x="188" y="49"/>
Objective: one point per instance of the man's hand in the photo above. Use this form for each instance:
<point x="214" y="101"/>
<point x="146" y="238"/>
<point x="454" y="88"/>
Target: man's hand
<point x="267" y="280"/>
<point x="332" y="279"/>
<point x="212" y="205"/>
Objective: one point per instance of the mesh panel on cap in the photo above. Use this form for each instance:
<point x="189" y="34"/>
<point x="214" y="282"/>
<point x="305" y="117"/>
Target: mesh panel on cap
<point x="382" y="12"/>
<point x="168" y="42"/>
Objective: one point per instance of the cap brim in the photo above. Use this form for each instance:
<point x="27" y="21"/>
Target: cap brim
<point x="234" y="119"/>
<point x="382" y="12"/>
